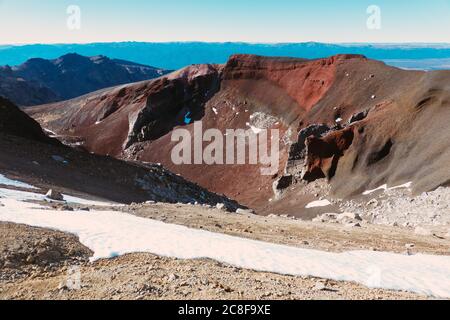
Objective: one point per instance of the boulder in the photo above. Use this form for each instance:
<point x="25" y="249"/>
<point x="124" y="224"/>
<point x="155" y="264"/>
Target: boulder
<point x="358" y="116"/>
<point x="54" y="195"/>
<point x="282" y="184"/>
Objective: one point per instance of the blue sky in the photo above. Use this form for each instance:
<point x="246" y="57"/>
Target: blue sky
<point x="45" y="21"/>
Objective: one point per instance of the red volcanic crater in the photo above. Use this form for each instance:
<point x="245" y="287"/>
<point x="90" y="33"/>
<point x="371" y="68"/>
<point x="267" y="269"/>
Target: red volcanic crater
<point x="356" y="122"/>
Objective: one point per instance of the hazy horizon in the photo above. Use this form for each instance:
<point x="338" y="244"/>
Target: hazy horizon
<point x="268" y="21"/>
<point x="419" y="44"/>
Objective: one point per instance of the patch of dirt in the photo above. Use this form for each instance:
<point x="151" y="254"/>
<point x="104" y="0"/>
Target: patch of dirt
<point x="25" y="250"/>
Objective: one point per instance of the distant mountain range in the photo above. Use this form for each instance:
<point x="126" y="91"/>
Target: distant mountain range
<point x="83" y="68"/>
<point x="176" y="55"/>
<point x="40" y="81"/>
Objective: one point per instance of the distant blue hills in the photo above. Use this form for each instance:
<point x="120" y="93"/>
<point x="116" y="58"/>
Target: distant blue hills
<point x="175" y="55"/>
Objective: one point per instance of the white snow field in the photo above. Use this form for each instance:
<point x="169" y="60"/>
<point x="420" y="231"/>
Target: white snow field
<point x="110" y="234"/>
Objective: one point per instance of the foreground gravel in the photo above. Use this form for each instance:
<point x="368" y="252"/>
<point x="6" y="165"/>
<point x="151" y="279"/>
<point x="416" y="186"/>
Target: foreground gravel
<point x="144" y="276"/>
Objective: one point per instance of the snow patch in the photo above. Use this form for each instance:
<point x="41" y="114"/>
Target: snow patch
<point x="50" y="133"/>
<point x="110" y="234"/>
<point x="385" y="188"/>
<point x="317" y="204"/>
<point x="215" y="111"/>
<point x="30" y="196"/>
<point x="14" y="183"/>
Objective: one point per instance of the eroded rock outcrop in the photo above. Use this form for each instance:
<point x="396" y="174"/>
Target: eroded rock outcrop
<point x="173" y="101"/>
<point x="323" y="154"/>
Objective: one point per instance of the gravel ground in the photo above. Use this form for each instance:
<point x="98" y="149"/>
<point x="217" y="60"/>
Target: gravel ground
<point x="26" y="250"/>
<point x="429" y="211"/>
<point x="144" y="276"/>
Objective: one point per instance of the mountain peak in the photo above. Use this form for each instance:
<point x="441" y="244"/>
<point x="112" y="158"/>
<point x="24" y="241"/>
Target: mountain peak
<point x="69" y="76"/>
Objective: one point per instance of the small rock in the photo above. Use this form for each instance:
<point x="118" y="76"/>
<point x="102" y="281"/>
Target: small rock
<point x="354" y="225"/>
<point x="172" y="277"/>
<point x="54" y="195"/>
<point x="320" y="286"/>
<point x="62" y="286"/>
<point x="221" y="206"/>
<point x="409" y="252"/>
<point x="409" y="245"/>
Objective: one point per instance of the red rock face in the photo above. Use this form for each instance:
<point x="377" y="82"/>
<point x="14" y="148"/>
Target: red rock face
<point x="323" y="154"/>
<point x="108" y="122"/>
<point x="305" y="81"/>
<point x="382" y="120"/>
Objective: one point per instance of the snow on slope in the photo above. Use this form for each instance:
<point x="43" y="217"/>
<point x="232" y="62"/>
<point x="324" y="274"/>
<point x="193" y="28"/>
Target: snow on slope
<point x="111" y="234"/>
<point x="23" y="196"/>
<point x="317" y="204"/>
<point x="13" y="183"/>
<point x="385" y="188"/>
